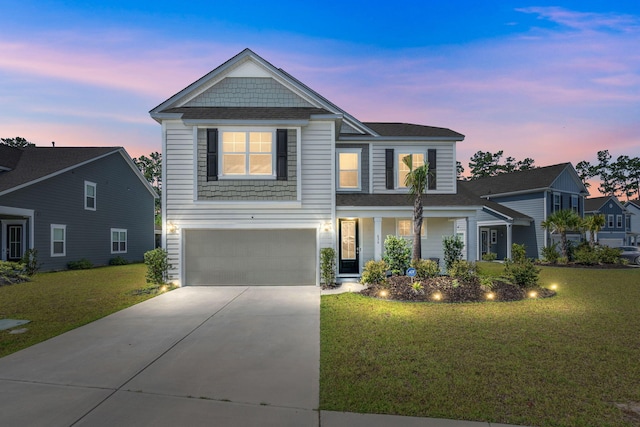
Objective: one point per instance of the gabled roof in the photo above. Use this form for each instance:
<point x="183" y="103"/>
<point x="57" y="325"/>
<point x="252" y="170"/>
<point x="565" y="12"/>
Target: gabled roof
<point x="412" y="130"/>
<point x="531" y="180"/>
<point x="594" y="204"/>
<point x="246" y="113"/>
<point x="9" y="157"/>
<point x="633" y="203"/>
<point x="36" y="164"/>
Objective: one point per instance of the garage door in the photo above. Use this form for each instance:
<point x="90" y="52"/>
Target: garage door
<point x="612" y="243"/>
<point x="250" y="257"/>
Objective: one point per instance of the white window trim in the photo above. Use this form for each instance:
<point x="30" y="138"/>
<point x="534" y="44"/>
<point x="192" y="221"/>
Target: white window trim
<point x="396" y="162"/>
<point x="274" y="143"/>
<point x="575" y="203"/>
<point x="553" y="202"/>
<point x="64" y="246"/>
<point x="410" y="236"/>
<point x="95" y="195"/>
<point x="126" y="242"/>
<point x="618" y="221"/>
<point x="494" y="237"/>
<point x="357" y="151"/>
<point x="610" y="220"/>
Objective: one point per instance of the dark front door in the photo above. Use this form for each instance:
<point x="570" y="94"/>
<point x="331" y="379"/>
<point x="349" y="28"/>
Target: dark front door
<point x="14" y="242"/>
<point x="349" y="250"/>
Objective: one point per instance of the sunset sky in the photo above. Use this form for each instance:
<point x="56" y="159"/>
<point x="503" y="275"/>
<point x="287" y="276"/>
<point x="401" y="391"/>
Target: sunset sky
<point x="553" y="81"/>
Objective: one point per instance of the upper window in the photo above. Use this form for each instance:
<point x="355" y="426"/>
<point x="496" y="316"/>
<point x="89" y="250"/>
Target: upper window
<point x="90" y="195"/>
<point x="349" y="169"/>
<point x="610" y="221"/>
<point x="618" y="221"/>
<point x="247" y="153"/>
<point x="58" y="240"/>
<point x="405" y="227"/>
<point x="118" y="241"/>
<point x="557" y="202"/>
<point x="574" y="203"/>
<point x="417" y="160"/>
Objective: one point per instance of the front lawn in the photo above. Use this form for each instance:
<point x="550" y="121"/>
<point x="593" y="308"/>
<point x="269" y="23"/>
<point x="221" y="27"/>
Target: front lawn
<point x="560" y="361"/>
<point x="58" y="302"/>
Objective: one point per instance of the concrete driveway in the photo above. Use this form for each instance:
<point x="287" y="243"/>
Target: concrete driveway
<point x="194" y="356"/>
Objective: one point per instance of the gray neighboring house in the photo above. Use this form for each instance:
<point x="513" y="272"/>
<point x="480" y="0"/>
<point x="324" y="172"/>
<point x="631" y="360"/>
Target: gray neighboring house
<point x="516" y="204"/>
<point x="633" y="207"/>
<point x="70" y="203"/>
<point x="617" y="226"/>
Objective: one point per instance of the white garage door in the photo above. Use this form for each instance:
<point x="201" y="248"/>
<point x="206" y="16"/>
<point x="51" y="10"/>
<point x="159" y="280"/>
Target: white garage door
<point x="612" y="243"/>
<point x="250" y="257"/>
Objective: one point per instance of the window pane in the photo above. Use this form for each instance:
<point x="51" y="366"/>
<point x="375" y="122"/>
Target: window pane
<point x="58" y="247"/>
<point x="348" y="244"/>
<point x="234" y="142"/>
<point x="404" y="227"/>
<point x="260" y="164"/>
<point x="114" y="246"/>
<point x="91" y="202"/>
<point x="348" y="161"/>
<point x="91" y="191"/>
<point x="123" y="246"/>
<point x="417" y="161"/>
<point x="260" y="142"/>
<point x="233" y="164"/>
<point x="58" y="234"/>
<point x="348" y="179"/>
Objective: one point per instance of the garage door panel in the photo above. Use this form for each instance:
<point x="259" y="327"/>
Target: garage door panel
<point x="250" y="257"/>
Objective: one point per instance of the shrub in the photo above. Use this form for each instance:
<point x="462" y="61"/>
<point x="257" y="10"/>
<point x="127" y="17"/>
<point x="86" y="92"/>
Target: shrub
<point x="397" y="254"/>
<point x="118" y="261"/>
<point x="417" y="287"/>
<point x="426" y="268"/>
<point x="463" y="270"/>
<point x="586" y="255"/>
<point x="328" y="266"/>
<point x="453" y="246"/>
<point x="12" y="272"/>
<point x="518" y="253"/>
<point x="486" y="283"/>
<point x="521" y="270"/>
<point x="489" y="256"/>
<point x="30" y="262"/>
<point x="608" y="255"/>
<point x="550" y="253"/>
<point x="81" y="264"/>
<point x="374" y="273"/>
<point x="158" y="266"/>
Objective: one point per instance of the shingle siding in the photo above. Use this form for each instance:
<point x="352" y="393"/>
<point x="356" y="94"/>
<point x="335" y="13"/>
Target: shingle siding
<point x="248" y="92"/>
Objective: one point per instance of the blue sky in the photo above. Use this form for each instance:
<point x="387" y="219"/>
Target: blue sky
<point x="552" y="81"/>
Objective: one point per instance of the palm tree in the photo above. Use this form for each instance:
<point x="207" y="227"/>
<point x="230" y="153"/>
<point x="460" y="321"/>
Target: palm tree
<point x="560" y="222"/>
<point x="416" y="180"/>
<point x="593" y="224"/>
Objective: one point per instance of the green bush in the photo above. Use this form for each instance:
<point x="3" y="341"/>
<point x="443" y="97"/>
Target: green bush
<point x="328" y="266"/>
<point x="374" y="273"/>
<point x="30" y="262"/>
<point x="462" y="270"/>
<point x="118" y="261"/>
<point x="521" y="270"/>
<point x="452" y="246"/>
<point x="550" y="253"/>
<point x="518" y="253"/>
<point x="489" y="256"/>
<point x="586" y="255"/>
<point x="608" y="255"/>
<point x="397" y="254"/>
<point x="158" y="266"/>
<point x="426" y="268"/>
<point x="12" y="272"/>
<point x="81" y="264"/>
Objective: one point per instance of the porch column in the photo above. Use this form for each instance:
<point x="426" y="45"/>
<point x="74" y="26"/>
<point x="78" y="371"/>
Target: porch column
<point x="377" y="236"/>
<point x="509" y="239"/>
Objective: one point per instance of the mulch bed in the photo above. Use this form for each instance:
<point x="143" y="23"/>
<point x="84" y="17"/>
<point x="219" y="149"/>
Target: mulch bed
<point x="446" y="289"/>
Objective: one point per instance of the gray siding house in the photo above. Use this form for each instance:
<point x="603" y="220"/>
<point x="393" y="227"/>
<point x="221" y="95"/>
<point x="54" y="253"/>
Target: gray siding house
<point x="633" y="207"/>
<point x="520" y="202"/>
<point x="617" y="221"/>
<point x="70" y="203"/>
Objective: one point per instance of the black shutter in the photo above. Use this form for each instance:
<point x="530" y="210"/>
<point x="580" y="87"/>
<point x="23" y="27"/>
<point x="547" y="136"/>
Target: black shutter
<point x="388" y="168"/>
<point x="212" y="154"/>
<point x="431" y="158"/>
<point x="281" y="154"/>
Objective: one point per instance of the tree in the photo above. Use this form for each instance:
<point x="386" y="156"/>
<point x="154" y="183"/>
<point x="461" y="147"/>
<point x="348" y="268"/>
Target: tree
<point x="485" y="163"/>
<point x="459" y="170"/>
<point x="416" y="180"/>
<point x="586" y="171"/>
<point x="593" y="224"/>
<point x="17" y="142"/>
<point x="620" y="178"/>
<point x="151" y="168"/>
<point x="561" y="222"/>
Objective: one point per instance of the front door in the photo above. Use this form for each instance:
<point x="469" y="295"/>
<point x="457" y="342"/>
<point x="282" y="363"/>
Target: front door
<point x="349" y="250"/>
<point x="14" y="242"/>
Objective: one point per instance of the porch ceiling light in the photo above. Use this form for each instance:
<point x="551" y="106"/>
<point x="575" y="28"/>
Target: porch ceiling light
<point x="171" y="227"/>
<point x="326" y="227"/>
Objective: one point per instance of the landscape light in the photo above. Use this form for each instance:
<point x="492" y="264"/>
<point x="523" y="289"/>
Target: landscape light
<point x="491" y="295"/>
<point x="554" y="287"/>
<point x="533" y="294"/>
<point x="437" y="296"/>
<point x="383" y="293"/>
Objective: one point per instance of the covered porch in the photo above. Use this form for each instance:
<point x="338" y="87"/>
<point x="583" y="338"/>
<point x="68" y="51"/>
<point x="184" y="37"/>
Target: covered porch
<point x="16" y="232"/>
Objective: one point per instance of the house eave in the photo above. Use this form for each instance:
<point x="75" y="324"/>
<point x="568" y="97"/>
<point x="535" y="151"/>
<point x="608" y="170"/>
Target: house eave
<point x="234" y="122"/>
<point x="384" y="139"/>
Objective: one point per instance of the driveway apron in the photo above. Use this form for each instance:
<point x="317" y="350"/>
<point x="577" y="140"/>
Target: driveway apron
<point x="194" y="356"/>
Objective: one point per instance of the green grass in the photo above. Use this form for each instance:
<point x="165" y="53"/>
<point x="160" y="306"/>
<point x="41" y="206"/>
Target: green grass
<point x="61" y="301"/>
<point x="561" y="361"/>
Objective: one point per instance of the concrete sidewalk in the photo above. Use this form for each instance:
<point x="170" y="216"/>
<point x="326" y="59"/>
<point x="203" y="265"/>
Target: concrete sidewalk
<point x="196" y="356"/>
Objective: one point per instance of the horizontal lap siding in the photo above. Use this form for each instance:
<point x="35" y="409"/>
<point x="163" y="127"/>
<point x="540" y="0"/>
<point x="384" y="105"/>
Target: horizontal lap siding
<point x="181" y="209"/>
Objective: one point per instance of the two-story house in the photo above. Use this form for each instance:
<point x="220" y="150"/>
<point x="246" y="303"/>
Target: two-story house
<point x="617" y="226"/>
<point x="515" y="205"/>
<point x="70" y="203"/>
<point x="261" y="172"/>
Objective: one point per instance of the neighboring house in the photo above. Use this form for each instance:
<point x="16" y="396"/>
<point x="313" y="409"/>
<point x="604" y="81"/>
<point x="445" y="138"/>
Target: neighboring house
<point x="70" y="203"/>
<point x="617" y="225"/>
<point x="633" y="208"/>
<point x="261" y="172"/>
<point x="518" y="202"/>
